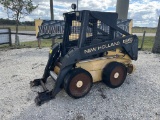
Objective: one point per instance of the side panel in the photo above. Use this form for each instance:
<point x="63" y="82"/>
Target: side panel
<point x="128" y="43"/>
<point x="95" y="67"/>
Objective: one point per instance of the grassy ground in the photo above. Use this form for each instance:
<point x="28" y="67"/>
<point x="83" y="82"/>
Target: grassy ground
<point x="32" y="28"/>
<point x="31" y="44"/>
<point x="141" y="30"/>
<point x="148" y="44"/>
<point x="21" y="28"/>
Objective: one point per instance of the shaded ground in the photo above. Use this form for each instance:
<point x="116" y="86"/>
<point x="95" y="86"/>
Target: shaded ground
<point x="137" y="99"/>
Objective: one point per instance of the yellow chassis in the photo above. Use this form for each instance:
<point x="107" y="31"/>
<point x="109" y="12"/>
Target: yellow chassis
<point x="95" y="66"/>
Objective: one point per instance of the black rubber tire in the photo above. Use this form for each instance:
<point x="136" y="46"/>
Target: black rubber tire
<point x="72" y="80"/>
<point x="114" y="74"/>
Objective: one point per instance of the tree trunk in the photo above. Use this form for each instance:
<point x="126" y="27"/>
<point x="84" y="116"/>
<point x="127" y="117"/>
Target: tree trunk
<point x="16" y="36"/>
<point x="156" y="46"/>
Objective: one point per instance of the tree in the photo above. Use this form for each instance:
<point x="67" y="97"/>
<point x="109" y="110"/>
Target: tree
<point x="17" y="9"/>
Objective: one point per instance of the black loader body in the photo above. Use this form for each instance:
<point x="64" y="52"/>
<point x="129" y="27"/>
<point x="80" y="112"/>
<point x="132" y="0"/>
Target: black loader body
<point x="89" y="37"/>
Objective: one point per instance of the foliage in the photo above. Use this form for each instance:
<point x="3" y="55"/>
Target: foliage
<point x="7" y="22"/>
<point x="18" y="9"/>
<point x="13" y="22"/>
<point x="28" y="23"/>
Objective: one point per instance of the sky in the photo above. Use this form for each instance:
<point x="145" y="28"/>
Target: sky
<point x="145" y="13"/>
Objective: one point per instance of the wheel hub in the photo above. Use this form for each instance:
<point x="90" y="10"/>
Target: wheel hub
<point x="116" y="75"/>
<point x="79" y="84"/>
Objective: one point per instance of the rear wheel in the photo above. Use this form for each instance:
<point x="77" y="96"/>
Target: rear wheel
<point x="78" y="83"/>
<point x="114" y="74"/>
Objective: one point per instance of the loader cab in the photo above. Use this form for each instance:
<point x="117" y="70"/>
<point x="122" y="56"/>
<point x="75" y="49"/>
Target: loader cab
<point x="84" y="28"/>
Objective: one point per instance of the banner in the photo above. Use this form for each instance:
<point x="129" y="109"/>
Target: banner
<point x="47" y="29"/>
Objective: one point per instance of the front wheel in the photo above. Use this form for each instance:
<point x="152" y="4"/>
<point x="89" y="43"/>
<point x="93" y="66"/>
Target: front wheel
<point x="78" y="83"/>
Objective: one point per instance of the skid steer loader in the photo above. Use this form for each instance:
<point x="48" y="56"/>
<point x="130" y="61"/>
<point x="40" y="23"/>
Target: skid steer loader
<point x="93" y="49"/>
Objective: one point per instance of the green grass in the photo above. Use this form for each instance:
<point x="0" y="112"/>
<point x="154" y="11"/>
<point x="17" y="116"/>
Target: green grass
<point x="141" y="30"/>
<point x="148" y="44"/>
<point x="33" y="44"/>
<point x="21" y="28"/>
<point x="30" y="44"/>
